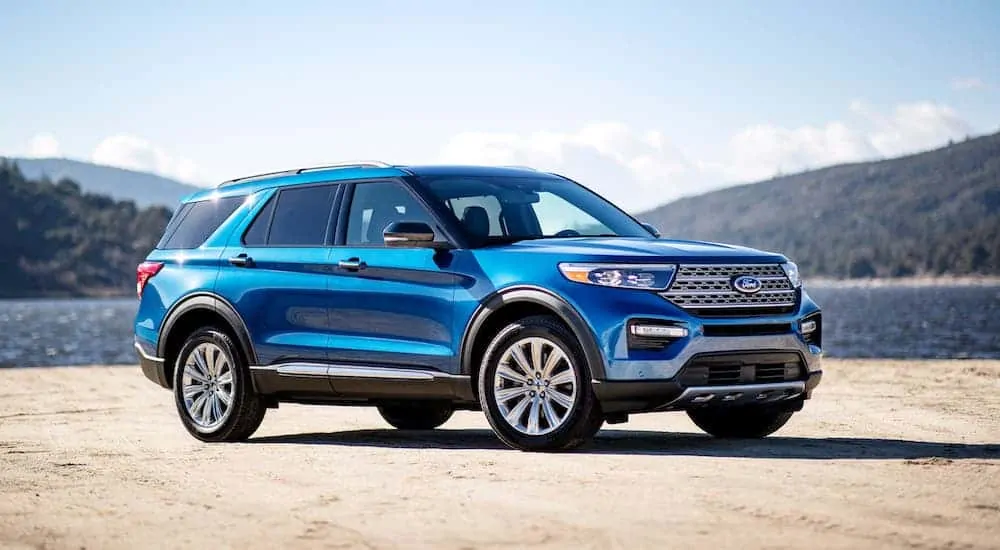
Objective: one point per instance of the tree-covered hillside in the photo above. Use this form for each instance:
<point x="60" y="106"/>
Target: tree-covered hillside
<point x="933" y="213"/>
<point x="57" y="241"/>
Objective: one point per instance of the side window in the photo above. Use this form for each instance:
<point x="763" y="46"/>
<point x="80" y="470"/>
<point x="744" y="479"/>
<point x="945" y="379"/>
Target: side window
<point x="256" y="234"/>
<point x="376" y="205"/>
<point x="200" y="220"/>
<point x="168" y="231"/>
<point x="302" y="216"/>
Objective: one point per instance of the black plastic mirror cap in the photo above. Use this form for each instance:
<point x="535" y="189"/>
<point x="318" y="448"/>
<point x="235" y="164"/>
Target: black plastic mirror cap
<point x="649" y="227"/>
<point x="411" y="235"/>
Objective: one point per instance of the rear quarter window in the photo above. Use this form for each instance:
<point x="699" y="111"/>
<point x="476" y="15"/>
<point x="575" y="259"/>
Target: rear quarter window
<point x="195" y="221"/>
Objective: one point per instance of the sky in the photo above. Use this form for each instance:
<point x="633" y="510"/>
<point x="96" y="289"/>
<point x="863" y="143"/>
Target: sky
<point x="642" y="101"/>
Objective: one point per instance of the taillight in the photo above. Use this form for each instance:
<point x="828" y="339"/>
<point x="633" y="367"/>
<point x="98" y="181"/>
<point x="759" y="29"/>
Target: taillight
<point x="144" y="273"/>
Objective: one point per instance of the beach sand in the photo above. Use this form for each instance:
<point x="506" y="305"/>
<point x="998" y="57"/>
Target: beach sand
<point x="888" y="454"/>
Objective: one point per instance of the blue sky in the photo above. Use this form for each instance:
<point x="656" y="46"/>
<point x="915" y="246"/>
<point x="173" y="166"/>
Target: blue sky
<point x="644" y="101"/>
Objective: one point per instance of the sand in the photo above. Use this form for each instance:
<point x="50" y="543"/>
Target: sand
<point x="889" y="454"/>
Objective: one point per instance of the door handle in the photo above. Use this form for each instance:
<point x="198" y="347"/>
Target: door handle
<point x="352" y="264"/>
<point x="241" y="260"/>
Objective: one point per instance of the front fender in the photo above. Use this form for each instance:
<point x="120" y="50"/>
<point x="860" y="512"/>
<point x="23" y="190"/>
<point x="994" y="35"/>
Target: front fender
<point x="539" y="296"/>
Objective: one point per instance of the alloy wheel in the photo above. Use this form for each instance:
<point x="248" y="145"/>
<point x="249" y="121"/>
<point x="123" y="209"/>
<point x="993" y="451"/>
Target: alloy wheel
<point x="208" y="386"/>
<point x="535" y="386"/>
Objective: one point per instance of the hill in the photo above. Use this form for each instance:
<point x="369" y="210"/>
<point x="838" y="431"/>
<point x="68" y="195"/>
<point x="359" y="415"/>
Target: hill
<point x="143" y="188"/>
<point x="56" y="240"/>
<point x="931" y="213"/>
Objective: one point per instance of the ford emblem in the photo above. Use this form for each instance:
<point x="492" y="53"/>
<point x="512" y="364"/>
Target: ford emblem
<point x="747" y="284"/>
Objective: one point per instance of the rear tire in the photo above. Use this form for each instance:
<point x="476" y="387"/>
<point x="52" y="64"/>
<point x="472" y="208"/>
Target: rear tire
<point x="417" y="415"/>
<point x="535" y="387"/>
<point x="740" y="422"/>
<point x="213" y="391"/>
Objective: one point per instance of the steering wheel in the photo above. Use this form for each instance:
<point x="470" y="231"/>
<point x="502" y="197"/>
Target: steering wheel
<point x="568" y="233"/>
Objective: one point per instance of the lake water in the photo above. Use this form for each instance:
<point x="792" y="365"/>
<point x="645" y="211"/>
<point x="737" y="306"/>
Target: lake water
<point x="859" y="321"/>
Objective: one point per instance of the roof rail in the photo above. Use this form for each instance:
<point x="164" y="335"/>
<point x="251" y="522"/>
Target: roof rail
<point x="350" y="164"/>
<point x="353" y="164"/>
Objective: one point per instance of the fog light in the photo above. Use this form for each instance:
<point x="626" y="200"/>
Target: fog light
<point x="808" y="327"/>
<point x="658" y="331"/>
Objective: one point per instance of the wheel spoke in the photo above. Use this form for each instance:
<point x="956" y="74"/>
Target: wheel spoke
<point x="533" y="416"/>
<point x="192" y="371"/>
<point x="196" y="407"/>
<point x="224" y="397"/>
<point x="199" y="361"/>
<point x="555" y="357"/>
<point x="507" y="394"/>
<point x="559" y="397"/>
<point x="216" y="407"/>
<point x="514" y="416"/>
<point x="521" y="361"/>
<point x="504" y="371"/>
<point x="564" y="377"/>
<point x="193" y="390"/>
<point x="536" y="354"/>
<point x="550" y="414"/>
<point x="212" y="354"/>
<point x="225" y="378"/>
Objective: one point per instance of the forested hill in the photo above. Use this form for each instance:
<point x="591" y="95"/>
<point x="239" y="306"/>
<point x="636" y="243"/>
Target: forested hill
<point x="58" y="241"/>
<point x="932" y="213"/>
<point x="144" y="188"/>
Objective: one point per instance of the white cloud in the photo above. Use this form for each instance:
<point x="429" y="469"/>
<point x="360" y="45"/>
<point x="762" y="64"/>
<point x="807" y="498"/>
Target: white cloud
<point x="135" y="153"/>
<point x="43" y="146"/>
<point x="968" y="83"/>
<point x="639" y="169"/>
<point x="625" y="165"/>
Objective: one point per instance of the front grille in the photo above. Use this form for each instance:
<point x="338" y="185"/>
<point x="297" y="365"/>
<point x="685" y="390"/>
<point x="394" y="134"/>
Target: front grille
<point x="747" y="330"/>
<point x="707" y="290"/>
<point x="730" y="369"/>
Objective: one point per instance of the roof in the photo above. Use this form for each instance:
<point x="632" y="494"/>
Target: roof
<point x="352" y="171"/>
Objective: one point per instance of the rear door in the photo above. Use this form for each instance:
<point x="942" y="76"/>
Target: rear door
<point x="277" y="273"/>
<point x="390" y="306"/>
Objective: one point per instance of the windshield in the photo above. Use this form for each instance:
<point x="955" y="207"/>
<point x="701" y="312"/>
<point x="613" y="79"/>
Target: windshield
<point x="505" y="209"/>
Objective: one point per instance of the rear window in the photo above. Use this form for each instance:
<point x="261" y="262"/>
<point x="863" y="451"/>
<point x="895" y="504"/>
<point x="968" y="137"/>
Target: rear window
<point x="302" y="216"/>
<point x="195" y="221"/>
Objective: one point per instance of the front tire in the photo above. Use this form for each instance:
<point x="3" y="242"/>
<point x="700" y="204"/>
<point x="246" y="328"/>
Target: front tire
<point x="739" y="422"/>
<point x="416" y="415"/>
<point x="212" y="389"/>
<point x="535" y="387"/>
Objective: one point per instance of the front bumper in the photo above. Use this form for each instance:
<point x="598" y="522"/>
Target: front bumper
<point x="669" y="395"/>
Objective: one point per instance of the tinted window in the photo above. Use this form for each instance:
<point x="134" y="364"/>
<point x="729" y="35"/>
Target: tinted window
<point x="302" y="216"/>
<point x="376" y="205"/>
<point x="498" y="208"/>
<point x="172" y="224"/>
<point x="256" y="235"/>
<point x="199" y="221"/>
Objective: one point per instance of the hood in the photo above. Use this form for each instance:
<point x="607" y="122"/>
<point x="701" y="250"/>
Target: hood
<point x="637" y="249"/>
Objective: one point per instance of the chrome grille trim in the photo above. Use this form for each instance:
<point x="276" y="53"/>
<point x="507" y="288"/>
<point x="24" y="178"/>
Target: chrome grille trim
<point x="710" y="287"/>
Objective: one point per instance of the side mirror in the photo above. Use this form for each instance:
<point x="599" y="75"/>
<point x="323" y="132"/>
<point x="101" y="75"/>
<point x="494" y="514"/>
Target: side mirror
<point x="409" y="235"/>
<point x="653" y="230"/>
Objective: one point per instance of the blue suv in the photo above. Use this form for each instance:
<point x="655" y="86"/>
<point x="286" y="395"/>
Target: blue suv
<point x="422" y="290"/>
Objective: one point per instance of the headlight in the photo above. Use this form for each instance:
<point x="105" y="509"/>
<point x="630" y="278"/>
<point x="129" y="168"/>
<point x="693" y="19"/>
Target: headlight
<point x="792" y="272"/>
<point x="639" y="276"/>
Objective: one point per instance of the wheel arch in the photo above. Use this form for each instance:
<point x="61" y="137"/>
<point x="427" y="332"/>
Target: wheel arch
<point x="517" y="302"/>
<point x="198" y="310"/>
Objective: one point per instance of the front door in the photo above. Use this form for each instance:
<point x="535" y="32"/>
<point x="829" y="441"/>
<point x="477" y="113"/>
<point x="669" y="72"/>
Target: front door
<point x="392" y="306"/>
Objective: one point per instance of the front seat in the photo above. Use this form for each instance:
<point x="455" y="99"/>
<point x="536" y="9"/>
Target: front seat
<point x="476" y="221"/>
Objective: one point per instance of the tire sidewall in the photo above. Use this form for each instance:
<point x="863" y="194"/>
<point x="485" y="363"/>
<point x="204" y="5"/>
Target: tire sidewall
<point x="241" y="381"/>
<point x="571" y="427"/>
